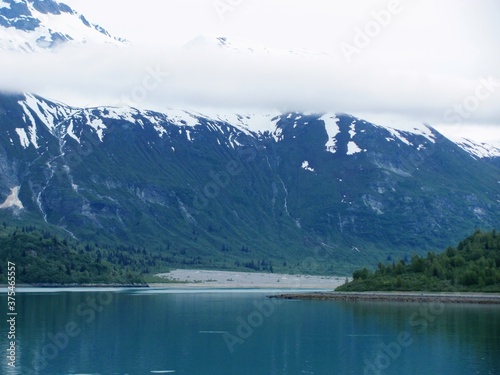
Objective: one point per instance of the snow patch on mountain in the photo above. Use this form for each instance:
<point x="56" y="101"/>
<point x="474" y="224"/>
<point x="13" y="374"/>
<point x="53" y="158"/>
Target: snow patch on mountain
<point x="352" y="129"/>
<point x="182" y="118"/>
<point x="479" y="149"/>
<point x="396" y="134"/>
<point x="98" y="126"/>
<point x="46" y="112"/>
<point x="70" y="132"/>
<point x="23" y="138"/>
<point x="62" y="120"/>
<point x="38" y="25"/>
<point x="160" y="130"/>
<point x="353" y="148"/>
<point x="332" y="129"/>
<point x="41" y="109"/>
<point x="248" y="123"/>
<point x="278" y="135"/>
<point x="400" y="127"/>
<point x="30" y="121"/>
<point x="307" y="167"/>
<point x="118" y="113"/>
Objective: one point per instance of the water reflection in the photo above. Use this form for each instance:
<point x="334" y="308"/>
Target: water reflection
<point x="136" y="332"/>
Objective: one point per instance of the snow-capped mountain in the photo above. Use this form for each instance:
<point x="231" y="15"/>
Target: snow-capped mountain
<point x="281" y="183"/>
<point x="255" y="125"/>
<point x="37" y="25"/>
<point x="246" y="47"/>
<point x="271" y="186"/>
<point x="480" y="149"/>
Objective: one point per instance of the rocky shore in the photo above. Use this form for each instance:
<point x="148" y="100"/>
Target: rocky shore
<point x="477" y="298"/>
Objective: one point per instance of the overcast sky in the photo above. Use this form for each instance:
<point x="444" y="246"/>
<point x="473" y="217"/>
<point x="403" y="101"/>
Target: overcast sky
<point x="433" y="61"/>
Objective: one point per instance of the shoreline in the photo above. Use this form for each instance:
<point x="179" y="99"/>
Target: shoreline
<point x="75" y="285"/>
<point x="209" y="279"/>
<point x="474" y="298"/>
<point x="192" y="279"/>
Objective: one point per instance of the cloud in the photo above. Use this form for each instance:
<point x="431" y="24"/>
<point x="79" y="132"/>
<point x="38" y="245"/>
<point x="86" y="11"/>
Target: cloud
<point x="427" y="63"/>
<point x="211" y="76"/>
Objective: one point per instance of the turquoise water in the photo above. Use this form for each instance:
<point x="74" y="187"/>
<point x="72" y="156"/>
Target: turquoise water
<point x="238" y="333"/>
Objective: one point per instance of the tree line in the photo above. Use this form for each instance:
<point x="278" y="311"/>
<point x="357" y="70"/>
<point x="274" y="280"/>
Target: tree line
<point x="473" y="265"/>
<point x="42" y="257"/>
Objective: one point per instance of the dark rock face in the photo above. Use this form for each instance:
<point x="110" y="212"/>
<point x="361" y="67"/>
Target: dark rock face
<point x="18" y="15"/>
<point x="52" y="7"/>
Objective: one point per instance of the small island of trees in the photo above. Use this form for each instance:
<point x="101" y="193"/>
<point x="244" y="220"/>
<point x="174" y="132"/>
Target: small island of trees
<point x="473" y="266"/>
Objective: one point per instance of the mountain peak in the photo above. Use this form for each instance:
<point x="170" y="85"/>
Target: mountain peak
<point x="247" y="47"/>
<point x="37" y="25"/>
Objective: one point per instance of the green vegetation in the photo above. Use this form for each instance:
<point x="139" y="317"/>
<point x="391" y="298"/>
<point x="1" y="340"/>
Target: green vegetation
<point x="474" y="265"/>
<point x="215" y="197"/>
<point x="153" y="279"/>
<point x="43" y="258"/>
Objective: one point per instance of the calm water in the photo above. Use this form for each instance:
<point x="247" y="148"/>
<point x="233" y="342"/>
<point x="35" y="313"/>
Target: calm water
<point x="238" y="333"/>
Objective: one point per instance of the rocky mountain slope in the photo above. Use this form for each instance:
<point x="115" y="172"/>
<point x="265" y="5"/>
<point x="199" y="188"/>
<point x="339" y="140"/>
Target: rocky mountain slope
<point x="297" y="191"/>
<point x="38" y="25"/>
<point x="240" y="188"/>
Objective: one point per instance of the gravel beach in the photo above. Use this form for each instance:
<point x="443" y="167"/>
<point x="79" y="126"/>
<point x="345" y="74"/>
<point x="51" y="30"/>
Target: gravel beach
<point x="227" y="279"/>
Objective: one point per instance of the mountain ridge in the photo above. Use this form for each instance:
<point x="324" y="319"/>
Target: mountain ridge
<point x="41" y="25"/>
<point x="191" y="184"/>
<point x="295" y="191"/>
<point x="257" y="123"/>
